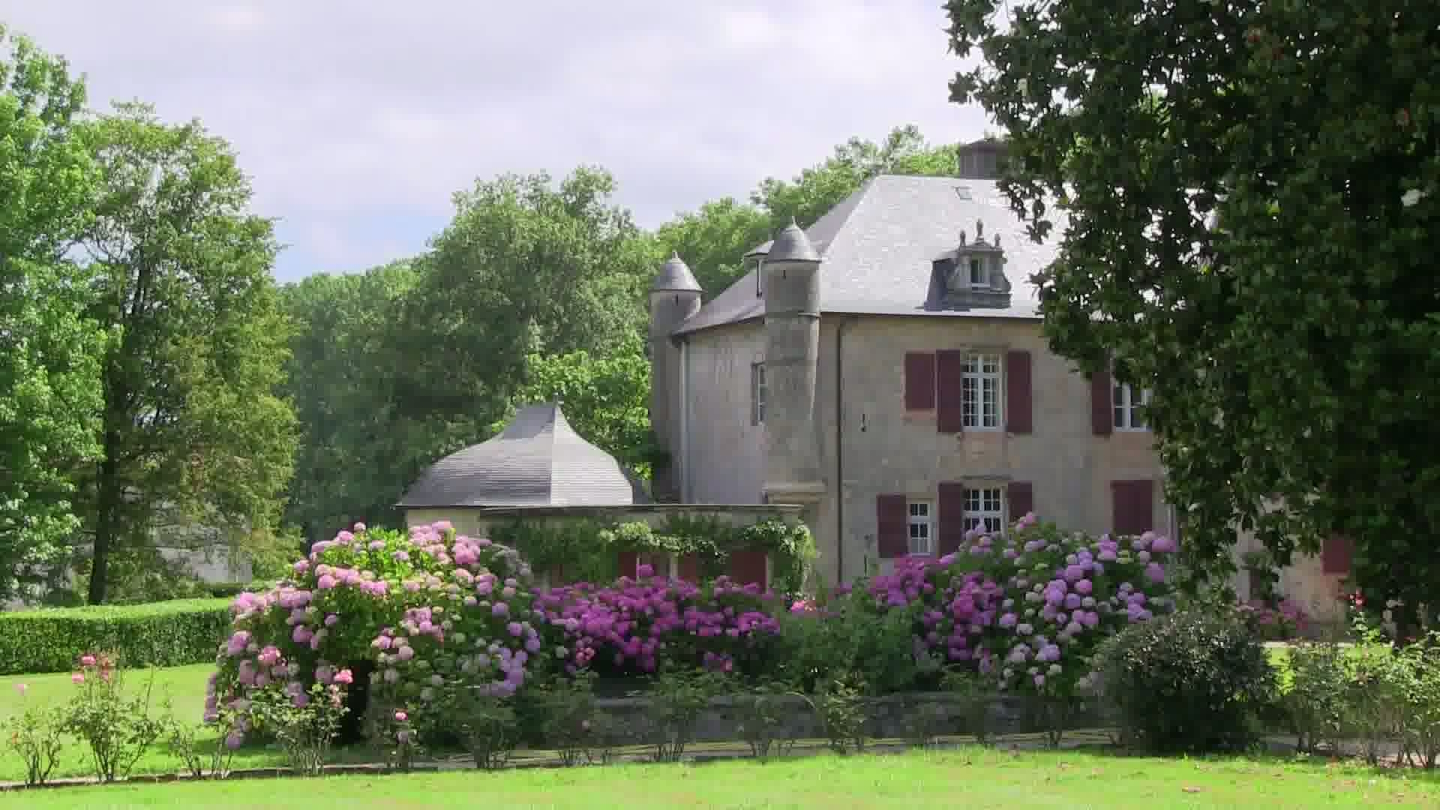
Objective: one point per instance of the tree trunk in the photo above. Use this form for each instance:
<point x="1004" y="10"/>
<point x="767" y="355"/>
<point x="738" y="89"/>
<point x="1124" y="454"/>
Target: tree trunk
<point x="108" y="497"/>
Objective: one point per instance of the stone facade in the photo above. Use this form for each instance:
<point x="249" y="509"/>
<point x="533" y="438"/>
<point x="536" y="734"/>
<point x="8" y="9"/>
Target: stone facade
<point x="791" y="385"/>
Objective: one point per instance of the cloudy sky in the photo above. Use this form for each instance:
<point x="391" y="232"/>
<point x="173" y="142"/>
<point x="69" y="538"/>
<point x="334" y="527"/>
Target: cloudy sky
<point x="358" y="120"/>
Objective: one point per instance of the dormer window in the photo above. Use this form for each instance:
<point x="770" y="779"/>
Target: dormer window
<point x="972" y="275"/>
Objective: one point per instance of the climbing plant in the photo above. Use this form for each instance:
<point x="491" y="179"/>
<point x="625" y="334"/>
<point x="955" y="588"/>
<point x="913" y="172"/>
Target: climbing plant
<point x="588" y="548"/>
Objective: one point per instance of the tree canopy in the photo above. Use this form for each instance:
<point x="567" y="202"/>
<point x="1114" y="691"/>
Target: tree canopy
<point x="1249" y="228"/>
<point x="192" y="424"/>
<point x="49" y="351"/>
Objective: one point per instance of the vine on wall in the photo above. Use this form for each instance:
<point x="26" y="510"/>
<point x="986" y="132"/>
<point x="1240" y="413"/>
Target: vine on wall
<point x="588" y="549"/>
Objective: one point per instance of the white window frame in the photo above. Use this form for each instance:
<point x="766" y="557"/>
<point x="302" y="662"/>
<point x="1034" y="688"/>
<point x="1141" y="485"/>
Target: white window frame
<point x="980" y="391"/>
<point x="977" y="264"/>
<point x="920" y="528"/>
<point x="985" y="509"/>
<point x="1125" y="408"/>
<point x="759" y="389"/>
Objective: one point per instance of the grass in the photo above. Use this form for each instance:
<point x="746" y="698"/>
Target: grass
<point x="972" y="778"/>
<point x="185" y="686"/>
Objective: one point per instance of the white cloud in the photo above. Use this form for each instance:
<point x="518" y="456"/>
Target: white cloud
<point x="358" y="121"/>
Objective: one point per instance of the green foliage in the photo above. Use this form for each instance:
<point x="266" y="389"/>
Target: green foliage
<point x="305" y="728"/>
<point x="967" y="686"/>
<point x="606" y="398"/>
<point x="35" y="736"/>
<point x="1223" y="236"/>
<point x="569" y="715"/>
<point x="588" y="548"/>
<point x="117" y="728"/>
<point x="195" y="433"/>
<point x="201" y="756"/>
<point x="162" y="634"/>
<point x="357" y="451"/>
<point x="1420" y="688"/>
<point x="762" y="719"/>
<point x="50" y="390"/>
<point x="876" y="647"/>
<point x="1312" y="685"/>
<point x="1193" y="681"/>
<point x="678" y="699"/>
<point x="842" y="708"/>
<point x="486" y="724"/>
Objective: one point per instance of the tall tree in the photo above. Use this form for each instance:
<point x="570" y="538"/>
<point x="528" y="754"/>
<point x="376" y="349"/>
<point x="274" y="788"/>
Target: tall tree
<point x="49" y="352"/>
<point x="352" y="462"/>
<point x="192" y="423"/>
<point x="605" y="397"/>
<point x="524" y="268"/>
<point x="1252" y="228"/>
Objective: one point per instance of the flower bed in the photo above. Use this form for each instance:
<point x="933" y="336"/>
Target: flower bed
<point x="442" y="621"/>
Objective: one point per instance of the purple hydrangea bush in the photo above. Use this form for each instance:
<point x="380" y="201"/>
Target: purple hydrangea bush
<point x="429" y="610"/>
<point x="641" y="625"/>
<point x="1027" y="609"/>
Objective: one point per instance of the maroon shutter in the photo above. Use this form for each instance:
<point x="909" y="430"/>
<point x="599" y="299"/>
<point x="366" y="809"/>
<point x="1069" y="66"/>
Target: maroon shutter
<point x="1335" y="555"/>
<point x="629" y="563"/>
<point x="952" y="516"/>
<point x="748" y="567"/>
<point x="690" y="567"/>
<point x="1018" y="418"/>
<point x="949" y="371"/>
<point x="1102" y="413"/>
<point x="892" y="538"/>
<point x="1133" y="505"/>
<point x="919" y="381"/>
<point x="1021" y="495"/>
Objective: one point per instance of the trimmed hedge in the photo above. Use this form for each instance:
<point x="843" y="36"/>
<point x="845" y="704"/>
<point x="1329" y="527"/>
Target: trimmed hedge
<point x="164" y="634"/>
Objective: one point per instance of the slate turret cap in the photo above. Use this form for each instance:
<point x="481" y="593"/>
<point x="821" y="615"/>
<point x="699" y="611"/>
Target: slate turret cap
<point x="675" y="276"/>
<point x="792" y="246"/>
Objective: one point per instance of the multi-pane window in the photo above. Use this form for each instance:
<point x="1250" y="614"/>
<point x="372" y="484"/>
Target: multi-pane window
<point x="919" y="525"/>
<point x="1129" y="407"/>
<point x="980" y="391"/>
<point x="757" y="393"/>
<point x="984" y="510"/>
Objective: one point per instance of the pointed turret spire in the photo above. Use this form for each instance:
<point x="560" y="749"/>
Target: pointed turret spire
<point x="792" y="246"/>
<point x="675" y="276"/>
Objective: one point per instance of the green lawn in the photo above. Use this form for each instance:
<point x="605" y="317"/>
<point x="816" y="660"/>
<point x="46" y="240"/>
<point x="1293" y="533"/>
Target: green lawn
<point x="184" y="685"/>
<point x="972" y="778"/>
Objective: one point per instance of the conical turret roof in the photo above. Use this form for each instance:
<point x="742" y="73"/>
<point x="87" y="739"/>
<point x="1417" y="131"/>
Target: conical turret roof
<point x="675" y="276"/>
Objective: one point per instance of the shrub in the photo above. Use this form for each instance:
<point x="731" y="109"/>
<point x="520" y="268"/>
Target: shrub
<point x="1421" y="668"/>
<point x="1192" y="681"/>
<point x="1312" y="688"/>
<point x="303" y="720"/>
<point x="117" y="728"/>
<point x="441" y="618"/>
<point x="678" y="700"/>
<point x="621" y="629"/>
<point x="161" y="634"/>
<point x="34" y="735"/>
<point x="762" y="719"/>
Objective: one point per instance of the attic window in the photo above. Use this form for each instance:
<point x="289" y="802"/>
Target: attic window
<point x="977" y="273"/>
<point x="759" y="277"/>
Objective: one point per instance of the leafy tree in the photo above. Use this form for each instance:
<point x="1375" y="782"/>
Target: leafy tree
<point x="714" y="239"/>
<point x="343" y="376"/>
<point x="605" y="397"/>
<point x="823" y="186"/>
<point x="524" y="268"/>
<point x="49" y="352"/>
<point x="1252" y="225"/>
<point x="192" y="423"/>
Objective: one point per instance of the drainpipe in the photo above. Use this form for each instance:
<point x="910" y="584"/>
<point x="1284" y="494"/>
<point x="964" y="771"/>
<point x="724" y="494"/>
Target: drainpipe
<point x="684" y="465"/>
<point x="840" y="450"/>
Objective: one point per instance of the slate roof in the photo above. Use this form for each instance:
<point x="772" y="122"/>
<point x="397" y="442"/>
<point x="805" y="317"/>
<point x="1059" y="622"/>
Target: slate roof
<point x="538" y="460"/>
<point x="877" y="247"/>
<point x="675" y="276"/>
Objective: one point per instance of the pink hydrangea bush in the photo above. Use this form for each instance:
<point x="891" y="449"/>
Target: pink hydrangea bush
<point x="1026" y="609"/>
<point x="637" y="626"/>
<point x="429" y="609"/>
